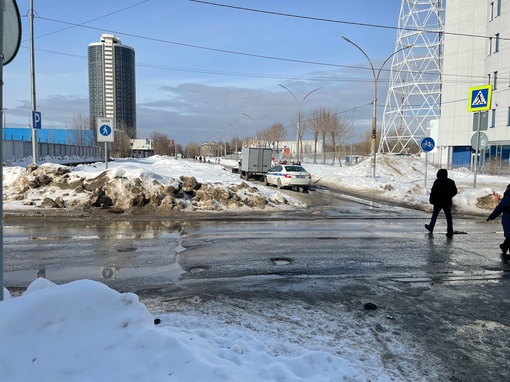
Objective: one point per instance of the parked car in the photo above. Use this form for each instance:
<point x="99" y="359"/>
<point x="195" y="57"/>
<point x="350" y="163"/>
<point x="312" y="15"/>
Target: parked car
<point x="288" y="176"/>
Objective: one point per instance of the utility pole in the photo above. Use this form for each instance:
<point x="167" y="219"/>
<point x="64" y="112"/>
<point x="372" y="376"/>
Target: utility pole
<point x="32" y="82"/>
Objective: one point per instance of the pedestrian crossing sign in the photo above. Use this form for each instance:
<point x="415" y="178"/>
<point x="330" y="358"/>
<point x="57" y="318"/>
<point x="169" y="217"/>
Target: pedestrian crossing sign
<point x="480" y="98"/>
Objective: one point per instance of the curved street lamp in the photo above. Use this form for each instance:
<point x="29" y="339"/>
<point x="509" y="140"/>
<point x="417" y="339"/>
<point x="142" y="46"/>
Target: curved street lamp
<point x="236" y="137"/>
<point x="298" y="129"/>
<point x="256" y="125"/>
<point x="374" y="102"/>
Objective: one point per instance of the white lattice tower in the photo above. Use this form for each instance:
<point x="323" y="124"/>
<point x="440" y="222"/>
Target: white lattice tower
<point x="414" y="93"/>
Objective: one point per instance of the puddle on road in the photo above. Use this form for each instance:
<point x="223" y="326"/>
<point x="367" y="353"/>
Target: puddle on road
<point x="280" y="261"/>
<point x="365" y="263"/>
<point x="172" y="272"/>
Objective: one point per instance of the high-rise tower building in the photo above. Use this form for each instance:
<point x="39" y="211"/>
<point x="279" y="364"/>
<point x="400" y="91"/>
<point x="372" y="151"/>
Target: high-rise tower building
<point x="414" y="95"/>
<point x="112" y="87"/>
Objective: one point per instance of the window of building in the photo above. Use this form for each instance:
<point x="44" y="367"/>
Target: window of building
<point x="491" y="11"/>
<point x="490" y="46"/>
<point x="498" y="8"/>
<point x="493" y="118"/>
<point x="495" y="81"/>
<point x="496" y="44"/>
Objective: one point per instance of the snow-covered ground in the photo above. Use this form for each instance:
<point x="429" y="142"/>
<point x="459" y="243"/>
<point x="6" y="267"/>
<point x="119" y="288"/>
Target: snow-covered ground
<point x="402" y="179"/>
<point x="85" y="331"/>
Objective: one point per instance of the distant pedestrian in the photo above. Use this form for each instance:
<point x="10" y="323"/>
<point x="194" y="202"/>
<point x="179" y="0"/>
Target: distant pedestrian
<point x="503" y="208"/>
<point x="441" y="195"/>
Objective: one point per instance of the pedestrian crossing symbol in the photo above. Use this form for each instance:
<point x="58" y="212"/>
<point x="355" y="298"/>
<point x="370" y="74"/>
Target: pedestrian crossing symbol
<point x="480" y="98"/>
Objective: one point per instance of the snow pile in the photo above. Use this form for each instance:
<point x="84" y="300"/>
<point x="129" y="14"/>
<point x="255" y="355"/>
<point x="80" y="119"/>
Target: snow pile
<point x="157" y="183"/>
<point x="401" y="179"/>
<point x="85" y="331"/>
<point x="163" y="184"/>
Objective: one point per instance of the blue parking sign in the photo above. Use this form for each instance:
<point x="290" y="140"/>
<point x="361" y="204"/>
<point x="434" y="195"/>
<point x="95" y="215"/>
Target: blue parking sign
<point x="36" y="120"/>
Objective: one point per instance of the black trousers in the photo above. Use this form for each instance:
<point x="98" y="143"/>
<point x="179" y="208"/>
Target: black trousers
<point x="448" y="214"/>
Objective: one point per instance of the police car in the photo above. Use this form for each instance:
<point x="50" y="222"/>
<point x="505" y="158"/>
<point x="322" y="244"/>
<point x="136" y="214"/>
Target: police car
<point x="288" y="176"/>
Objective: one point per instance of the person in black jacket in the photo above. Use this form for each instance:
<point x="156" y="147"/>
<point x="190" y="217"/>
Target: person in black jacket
<point x="503" y="208"/>
<point x="441" y="194"/>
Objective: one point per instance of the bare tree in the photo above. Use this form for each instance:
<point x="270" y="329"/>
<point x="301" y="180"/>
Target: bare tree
<point x="320" y="123"/>
<point x="192" y="149"/>
<point x="161" y="144"/>
<point x="121" y="147"/>
<point x="236" y="144"/>
<point x="317" y="128"/>
<point x="303" y="127"/>
<point x="276" y="134"/>
<point x="339" y="132"/>
<point x="80" y="131"/>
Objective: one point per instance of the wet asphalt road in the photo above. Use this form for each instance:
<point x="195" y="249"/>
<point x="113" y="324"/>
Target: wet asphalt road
<point x="452" y="295"/>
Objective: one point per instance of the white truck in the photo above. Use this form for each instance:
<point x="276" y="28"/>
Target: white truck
<point x="255" y="162"/>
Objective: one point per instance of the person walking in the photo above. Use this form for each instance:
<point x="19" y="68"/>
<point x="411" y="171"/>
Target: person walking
<point x="503" y="208"/>
<point x="441" y="195"/>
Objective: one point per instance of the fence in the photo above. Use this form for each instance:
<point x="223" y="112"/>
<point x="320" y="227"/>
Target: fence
<point x="16" y="151"/>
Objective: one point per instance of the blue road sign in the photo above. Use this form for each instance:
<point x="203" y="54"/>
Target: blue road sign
<point x="480" y="98"/>
<point x="36" y="120"/>
<point x="105" y="130"/>
<point x="427" y="144"/>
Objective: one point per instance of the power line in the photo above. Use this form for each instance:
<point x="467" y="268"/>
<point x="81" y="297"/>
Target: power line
<point x="341" y="21"/>
<point x="159" y="40"/>
<point x="94" y="19"/>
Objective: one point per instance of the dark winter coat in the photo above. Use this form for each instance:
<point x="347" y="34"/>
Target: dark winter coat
<point x="443" y="189"/>
<point x="503" y="208"/>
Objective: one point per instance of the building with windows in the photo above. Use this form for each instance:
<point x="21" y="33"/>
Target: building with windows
<point x="475" y="54"/>
<point x="112" y="87"/>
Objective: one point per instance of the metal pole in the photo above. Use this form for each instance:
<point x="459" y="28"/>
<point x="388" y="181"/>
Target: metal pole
<point x="32" y="82"/>
<point x="477" y="146"/>
<point x="374" y="101"/>
<point x="298" y="129"/>
<point x="256" y="126"/>
<point x="2" y="7"/>
<point x="106" y="154"/>
<point x="426" y="160"/>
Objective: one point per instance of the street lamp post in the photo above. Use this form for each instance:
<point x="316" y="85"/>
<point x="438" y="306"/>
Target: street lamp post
<point x="298" y="127"/>
<point x="256" y="126"/>
<point x="236" y="137"/>
<point x="374" y="101"/>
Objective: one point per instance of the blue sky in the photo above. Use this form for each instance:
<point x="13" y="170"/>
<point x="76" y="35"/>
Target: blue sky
<point x="200" y="67"/>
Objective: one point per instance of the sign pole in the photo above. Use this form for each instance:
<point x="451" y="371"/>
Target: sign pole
<point x="479" y="100"/>
<point x="477" y="146"/>
<point x="105" y="133"/>
<point x="427" y="144"/>
<point x="426" y="163"/>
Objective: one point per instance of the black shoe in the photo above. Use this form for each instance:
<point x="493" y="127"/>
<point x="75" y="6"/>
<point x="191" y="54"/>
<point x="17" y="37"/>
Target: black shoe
<point x="427" y="227"/>
<point x="449" y="234"/>
<point x="503" y="249"/>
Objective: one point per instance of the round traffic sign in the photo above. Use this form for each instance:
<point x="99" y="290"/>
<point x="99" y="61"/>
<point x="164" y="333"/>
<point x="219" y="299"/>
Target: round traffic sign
<point x="107" y="273"/>
<point x="105" y="130"/>
<point x="12" y="30"/>
<point x="427" y="144"/>
<point x="479" y="142"/>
